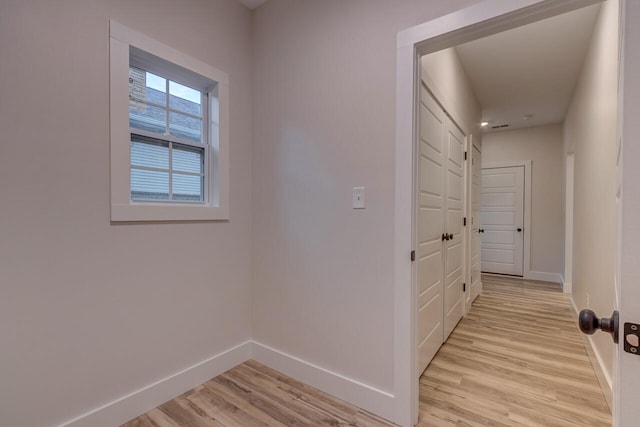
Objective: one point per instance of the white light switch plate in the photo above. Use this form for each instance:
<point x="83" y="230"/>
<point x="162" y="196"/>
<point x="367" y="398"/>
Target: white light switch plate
<point x="358" y="198"/>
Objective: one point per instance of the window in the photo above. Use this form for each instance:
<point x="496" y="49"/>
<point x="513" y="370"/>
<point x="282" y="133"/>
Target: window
<point x="168" y="133"/>
<point x="168" y="139"/>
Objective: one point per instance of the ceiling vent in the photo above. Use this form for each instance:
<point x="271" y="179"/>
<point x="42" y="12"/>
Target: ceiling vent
<point x="506" y="125"/>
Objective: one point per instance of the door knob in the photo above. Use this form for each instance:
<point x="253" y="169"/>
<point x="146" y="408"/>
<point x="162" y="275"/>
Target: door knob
<point x="519" y="230"/>
<point x="589" y="323"/>
<point x="450" y="236"/>
<point x="445" y="236"/>
<point x="480" y="230"/>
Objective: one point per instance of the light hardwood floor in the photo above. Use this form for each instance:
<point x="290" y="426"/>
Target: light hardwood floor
<point x="516" y="359"/>
<point x="251" y="394"/>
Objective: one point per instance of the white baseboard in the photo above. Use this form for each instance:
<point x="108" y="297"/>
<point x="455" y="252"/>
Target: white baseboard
<point x="543" y="276"/>
<point x="606" y="383"/>
<point x="129" y="406"/>
<point x="567" y="287"/>
<point x="365" y="396"/>
<point x="138" y="402"/>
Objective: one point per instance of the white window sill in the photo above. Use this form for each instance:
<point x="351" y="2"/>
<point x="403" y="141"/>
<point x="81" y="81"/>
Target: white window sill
<point x="166" y="212"/>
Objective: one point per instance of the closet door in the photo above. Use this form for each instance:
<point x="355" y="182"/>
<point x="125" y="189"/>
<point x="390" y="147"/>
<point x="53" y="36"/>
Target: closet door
<point x="454" y="214"/>
<point x="432" y="164"/>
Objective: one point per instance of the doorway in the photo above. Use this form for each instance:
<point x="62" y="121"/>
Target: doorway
<point x="489" y="18"/>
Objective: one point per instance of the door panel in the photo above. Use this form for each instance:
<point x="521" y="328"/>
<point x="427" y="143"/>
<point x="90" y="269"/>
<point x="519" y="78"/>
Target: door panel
<point x="502" y="215"/>
<point x="431" y="188"/>
<point x="498" y="200"/>
<point x="500" y="237"/>
<point x="502" y="256"/>
<point x="498" y="218"/>
<point x="454" y="216"/>
<point x="440" y="210"/>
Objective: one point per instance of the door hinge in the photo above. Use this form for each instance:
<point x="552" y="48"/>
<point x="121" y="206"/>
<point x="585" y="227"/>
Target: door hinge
<point x="465" y="155"/>
<point x="464" y="221"/>
<point x="413" y="255"/>
<point x="464" y="287"/>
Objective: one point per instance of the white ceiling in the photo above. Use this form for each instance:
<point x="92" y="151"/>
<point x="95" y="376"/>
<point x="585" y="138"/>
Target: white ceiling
<point x="531" y="70"/>
<point x="252" y="4"/>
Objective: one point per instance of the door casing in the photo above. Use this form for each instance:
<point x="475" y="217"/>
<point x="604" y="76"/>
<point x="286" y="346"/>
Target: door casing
<point x="480" y="20"/>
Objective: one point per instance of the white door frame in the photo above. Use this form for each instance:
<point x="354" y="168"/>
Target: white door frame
<point x="526" y="245"/>
<point x="626" y="390"/>
<point x="480" y="20"/>
<point x="567" y="286"/>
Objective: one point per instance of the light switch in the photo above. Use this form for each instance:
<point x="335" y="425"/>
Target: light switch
<point x="358" y="198"/>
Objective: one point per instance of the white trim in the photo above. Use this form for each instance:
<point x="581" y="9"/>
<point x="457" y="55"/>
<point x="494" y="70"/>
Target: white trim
<point x="526" y="256"/>
<point x="466" y="229"/>
<point x="122" y="208"/>
<point x="134" y="404"/>
<point x="567" y="287"/>
<point x="129" y="406"/>
<point x="351" y="390"/>
<point x="482" y="19"/>
<point x="604" y="379"/>
<point x="568" y="221"/>
<point x="544" y="276"/>
<point x="154" y="47"/>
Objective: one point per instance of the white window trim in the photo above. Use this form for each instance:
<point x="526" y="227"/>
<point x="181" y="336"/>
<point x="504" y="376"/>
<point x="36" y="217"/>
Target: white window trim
<point x="122" y="208"/>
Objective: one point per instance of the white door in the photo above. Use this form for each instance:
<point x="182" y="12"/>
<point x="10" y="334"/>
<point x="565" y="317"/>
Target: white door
<point x="502" y="220"/>
<point x="439" y="232"/>
<point x="454" y="215"/>
<point x="476" y="284"/>
<point x="627" y="365"/>
<point x="431" y="203"/>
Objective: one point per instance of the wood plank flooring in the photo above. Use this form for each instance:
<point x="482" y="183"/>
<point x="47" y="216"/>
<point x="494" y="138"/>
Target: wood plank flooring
<point x="517" y="359"/>
<point x="252" y="394"/>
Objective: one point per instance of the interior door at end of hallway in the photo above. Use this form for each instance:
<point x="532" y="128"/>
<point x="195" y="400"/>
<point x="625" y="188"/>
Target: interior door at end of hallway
<point x="502" y="219"/>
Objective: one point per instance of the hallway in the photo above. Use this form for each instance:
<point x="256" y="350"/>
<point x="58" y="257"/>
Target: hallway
<point x="516" y="359"/>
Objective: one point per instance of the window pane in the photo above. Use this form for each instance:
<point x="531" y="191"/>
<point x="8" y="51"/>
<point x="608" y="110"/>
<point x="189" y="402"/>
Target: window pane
<point x="146" y="117"/>
<point x="187" y="159"/>
<point x="156" y="82"/>
<point x="145" y="86"/>
<point x="184" y="99"/>
<point x="188" y="187"/>
<point x="185" y="127"/>
<point x="150" y="154"/>
<point x="149" y="185"/>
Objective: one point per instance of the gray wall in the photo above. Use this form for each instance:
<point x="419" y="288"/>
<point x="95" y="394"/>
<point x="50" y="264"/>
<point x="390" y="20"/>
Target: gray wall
<point x="91" y="311"/>
<point x="543" y="146"/>
<point x="590" y="131"/>
<point x="324" y="122"/>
